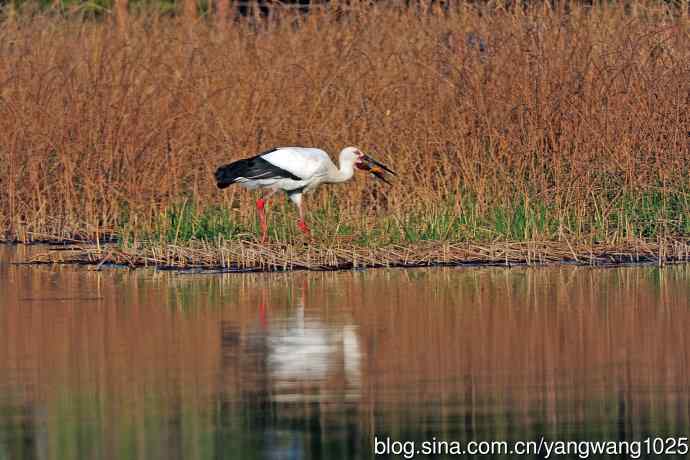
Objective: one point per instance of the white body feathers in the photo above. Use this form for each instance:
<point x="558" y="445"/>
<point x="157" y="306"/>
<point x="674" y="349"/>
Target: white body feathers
<point x="309" y="167"/>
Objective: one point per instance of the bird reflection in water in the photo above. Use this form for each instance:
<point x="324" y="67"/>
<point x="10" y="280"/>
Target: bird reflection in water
<point x="291" y="373"/>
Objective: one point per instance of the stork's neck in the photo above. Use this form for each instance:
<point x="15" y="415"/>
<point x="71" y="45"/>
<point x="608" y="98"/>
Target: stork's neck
<point x="342" y="174"/>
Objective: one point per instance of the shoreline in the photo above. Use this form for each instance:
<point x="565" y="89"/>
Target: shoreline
<point x="240" y="256"/>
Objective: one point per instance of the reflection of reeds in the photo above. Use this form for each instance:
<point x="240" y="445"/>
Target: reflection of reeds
<point x="462" y="354"/>
<point x="528" y="124"/>
<point x="562" y="345"/>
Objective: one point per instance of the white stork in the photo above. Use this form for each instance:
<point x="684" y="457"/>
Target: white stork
<point x="295" y="170"/>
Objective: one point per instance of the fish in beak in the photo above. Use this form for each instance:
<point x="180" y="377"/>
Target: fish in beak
<point x="376" y="168"/>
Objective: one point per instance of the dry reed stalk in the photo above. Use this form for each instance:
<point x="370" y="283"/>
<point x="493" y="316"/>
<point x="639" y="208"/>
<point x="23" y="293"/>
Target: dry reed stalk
<point x="122" y="14"/>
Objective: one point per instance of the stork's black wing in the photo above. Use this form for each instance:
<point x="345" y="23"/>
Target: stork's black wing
<point x="253" y="168"/>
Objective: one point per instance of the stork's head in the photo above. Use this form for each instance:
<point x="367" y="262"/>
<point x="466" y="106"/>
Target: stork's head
<point x="366" y="163"/>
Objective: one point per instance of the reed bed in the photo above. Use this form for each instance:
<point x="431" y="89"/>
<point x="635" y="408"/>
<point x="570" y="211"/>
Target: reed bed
<point x="247" y="256"/>
<point x="540" y="127"/>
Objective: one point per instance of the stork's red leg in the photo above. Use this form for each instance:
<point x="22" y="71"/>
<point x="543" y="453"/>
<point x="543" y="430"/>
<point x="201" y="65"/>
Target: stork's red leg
<point x="301" y="223"/>
<point x="303" y="226"/>
<point x="260" y="204"/>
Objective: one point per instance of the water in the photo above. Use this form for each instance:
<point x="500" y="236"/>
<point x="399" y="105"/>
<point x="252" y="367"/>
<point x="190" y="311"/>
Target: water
<point x="118" y="364"/>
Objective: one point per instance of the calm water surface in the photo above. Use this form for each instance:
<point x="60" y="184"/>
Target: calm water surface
<point x="118" y="364"/>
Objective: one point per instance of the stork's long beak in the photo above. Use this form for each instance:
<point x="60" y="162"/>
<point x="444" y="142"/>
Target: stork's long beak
<point x="376" y="168"/>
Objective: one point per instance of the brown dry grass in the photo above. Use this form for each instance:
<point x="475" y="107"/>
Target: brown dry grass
<point x="246" y="256"/>
<point x="582" y="112"/>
